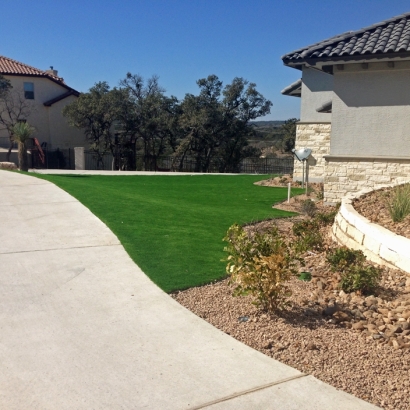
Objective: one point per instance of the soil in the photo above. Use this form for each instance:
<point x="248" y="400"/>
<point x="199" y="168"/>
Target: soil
<point x="357" y="343"/>
<point x="374" y="206"/>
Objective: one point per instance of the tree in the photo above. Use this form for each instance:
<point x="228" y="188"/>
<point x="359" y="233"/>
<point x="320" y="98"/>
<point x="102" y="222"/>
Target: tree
<point x="216" y="122"/>
<point x="5" y="86"/>
<point x="13" y="109"/>
<point x="21" y="133"/>
<point x="149" y="116"/>
<point x="288" y="132"/>
<point x="95" y="112"/>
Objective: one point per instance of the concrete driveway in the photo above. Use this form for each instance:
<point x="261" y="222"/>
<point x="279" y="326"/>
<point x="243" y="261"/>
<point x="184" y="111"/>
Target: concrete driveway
<point x="82" y="327"/>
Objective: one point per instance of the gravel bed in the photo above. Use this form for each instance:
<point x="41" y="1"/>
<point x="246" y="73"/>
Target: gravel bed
<point x="355" y="343"/>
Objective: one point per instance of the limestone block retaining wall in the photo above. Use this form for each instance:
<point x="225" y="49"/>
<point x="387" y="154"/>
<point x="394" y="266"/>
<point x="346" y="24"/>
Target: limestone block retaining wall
<point x="346" y="174"/>
<point x="377" y="243"/>
<point x="315" y="136"/>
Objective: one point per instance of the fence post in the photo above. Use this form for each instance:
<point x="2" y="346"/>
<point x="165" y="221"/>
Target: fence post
<point x="79" y="158"/>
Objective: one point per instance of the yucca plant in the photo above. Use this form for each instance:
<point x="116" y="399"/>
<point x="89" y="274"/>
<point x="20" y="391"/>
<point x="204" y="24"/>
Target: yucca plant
<point x="399" y="202"/>
<point x="21" y="132"/>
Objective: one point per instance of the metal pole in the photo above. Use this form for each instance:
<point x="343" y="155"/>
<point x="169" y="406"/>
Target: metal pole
<point x="288" y="192"/>
<point x="303" y="174"/>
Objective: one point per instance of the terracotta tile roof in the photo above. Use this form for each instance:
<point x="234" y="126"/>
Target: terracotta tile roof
<point x="13" y="67"/>
<point x="387" y="37"/>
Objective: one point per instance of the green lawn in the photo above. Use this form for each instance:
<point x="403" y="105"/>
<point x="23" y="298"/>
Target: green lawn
<point x="172" y="226"/>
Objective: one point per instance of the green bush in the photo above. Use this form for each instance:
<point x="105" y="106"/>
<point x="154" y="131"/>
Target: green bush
<point x="342" y="258"/>
<point x="360" y="278"/>
<point x="326" y="218"/>
<point x="308" y="236"/>
<point x="399" y="202"/>
<point x="356" y="276"/>
<point x="260" y="265"/>
<point x="309" y="207"/>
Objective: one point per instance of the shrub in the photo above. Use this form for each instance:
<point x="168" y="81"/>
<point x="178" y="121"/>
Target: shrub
<point x="356" y="276"/>
<point x="326" y="218"/>
<point x="308" y="236"/>
<point x="399" y="203"/>
<point x="341" y="258"/>
<point x="260" y="265"/>
<point x="309" y="207"/>
<point x="360" y="278"/>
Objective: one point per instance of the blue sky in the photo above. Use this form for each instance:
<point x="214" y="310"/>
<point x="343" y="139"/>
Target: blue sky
<point x="180" y="40"/>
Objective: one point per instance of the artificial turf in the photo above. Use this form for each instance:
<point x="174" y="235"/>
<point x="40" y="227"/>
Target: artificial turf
<point x="172" y="226"/>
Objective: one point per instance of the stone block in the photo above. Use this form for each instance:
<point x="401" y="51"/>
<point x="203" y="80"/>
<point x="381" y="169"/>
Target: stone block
<point x="355" y="234"/>
<point x="388" y="254"/>
<point x="371" y="244"/>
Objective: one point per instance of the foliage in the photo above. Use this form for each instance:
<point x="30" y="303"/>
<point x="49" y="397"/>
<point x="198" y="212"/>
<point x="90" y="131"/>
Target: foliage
<point x="326" y="218"/>
<point x="288" y="131"/>
<point x="356" y="276"/>
<point x="360" y="278"/>
<point x="5" y="86"/>
<point x="308" y="207"/>
<point x="14" y="108"/>
<point x="21" y="132"/>
<point x="308" y="236"/>
<point x="164" y="223"/>
<point x="399" y="203"/>
<point x="216" y="122"/>
<point x="95" y="113"/>
<point x="260" y="264"/>
<point x="341" y="258"/>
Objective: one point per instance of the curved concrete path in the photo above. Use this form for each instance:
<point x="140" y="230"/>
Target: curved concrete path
<point x="82" y="327"/>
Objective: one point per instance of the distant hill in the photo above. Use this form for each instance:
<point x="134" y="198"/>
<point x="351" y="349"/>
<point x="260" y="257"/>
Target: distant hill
<point x="267" y="123"/>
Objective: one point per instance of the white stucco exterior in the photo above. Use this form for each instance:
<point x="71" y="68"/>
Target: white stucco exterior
<point x="51" y="126"/>
<point x="371" y="110"/>
<point x="317" y="89"/>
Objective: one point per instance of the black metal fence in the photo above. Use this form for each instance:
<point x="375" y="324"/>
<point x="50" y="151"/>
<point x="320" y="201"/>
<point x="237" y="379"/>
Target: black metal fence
<point x="53" y="158"/>
<point x="168" y="163"/>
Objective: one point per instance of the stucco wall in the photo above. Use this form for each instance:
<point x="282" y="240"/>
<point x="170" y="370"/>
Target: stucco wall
<point x="371" y="110"/>
<point x="317" y="89"/>
<point x="50" y="125"/>
<point x="315" y="136"/>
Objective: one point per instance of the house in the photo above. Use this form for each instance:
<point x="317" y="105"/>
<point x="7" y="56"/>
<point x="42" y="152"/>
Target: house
<point x="355" y="107"/>
<point x="38" y="97"/>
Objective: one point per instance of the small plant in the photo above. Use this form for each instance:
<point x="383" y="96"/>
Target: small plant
<point x="399" y="203"/>
<point x="326" y="218"/>
<point x="260" y="265"/>
<point x="308" y="236"/>
<point x="309" y="207"/>
<point x="342" y="258"/>
<point x="359" y="278"/>
<point x="320" y="193"/>
<point x="356" y="276"/>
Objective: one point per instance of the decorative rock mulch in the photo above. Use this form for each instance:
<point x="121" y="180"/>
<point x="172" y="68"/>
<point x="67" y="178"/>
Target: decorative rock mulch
<point x="358" y="343"/>
<point x="8" y="165"/>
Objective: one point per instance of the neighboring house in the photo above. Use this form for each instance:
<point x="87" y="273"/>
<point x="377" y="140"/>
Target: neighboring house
<point x="45" y="94"/>
<point x="355" y="107"/>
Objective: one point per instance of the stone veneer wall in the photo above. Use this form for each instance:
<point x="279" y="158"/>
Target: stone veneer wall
<point x="377" y="243"/>
<point x="315" y="136"/>
<point x="345" y="175"/>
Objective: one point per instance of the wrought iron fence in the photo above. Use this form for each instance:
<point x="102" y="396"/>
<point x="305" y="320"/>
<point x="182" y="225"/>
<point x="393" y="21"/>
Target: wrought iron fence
<point x="58" y="158"/>
<point x="168" y="163"/>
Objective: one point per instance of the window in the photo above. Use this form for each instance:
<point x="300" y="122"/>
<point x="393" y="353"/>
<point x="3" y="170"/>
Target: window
<point x="29" y="91"/>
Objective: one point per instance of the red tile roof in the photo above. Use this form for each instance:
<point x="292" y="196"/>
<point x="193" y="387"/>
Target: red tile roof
<point x="13" y="67"/>
<point x="389" y="38"/>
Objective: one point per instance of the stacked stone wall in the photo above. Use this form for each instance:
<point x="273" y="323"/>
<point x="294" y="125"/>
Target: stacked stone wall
<point x="377" y="243"/>
<point x="343" y="176"/>
<point x="315" y="136"/>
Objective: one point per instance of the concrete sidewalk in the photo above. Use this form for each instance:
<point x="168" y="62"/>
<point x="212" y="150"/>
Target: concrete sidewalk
<point x="82" y="327"/>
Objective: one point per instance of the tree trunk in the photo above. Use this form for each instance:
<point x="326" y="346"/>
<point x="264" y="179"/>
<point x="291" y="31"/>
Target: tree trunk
<point x="9" y="151"/>
<point x="22" y="155"/>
